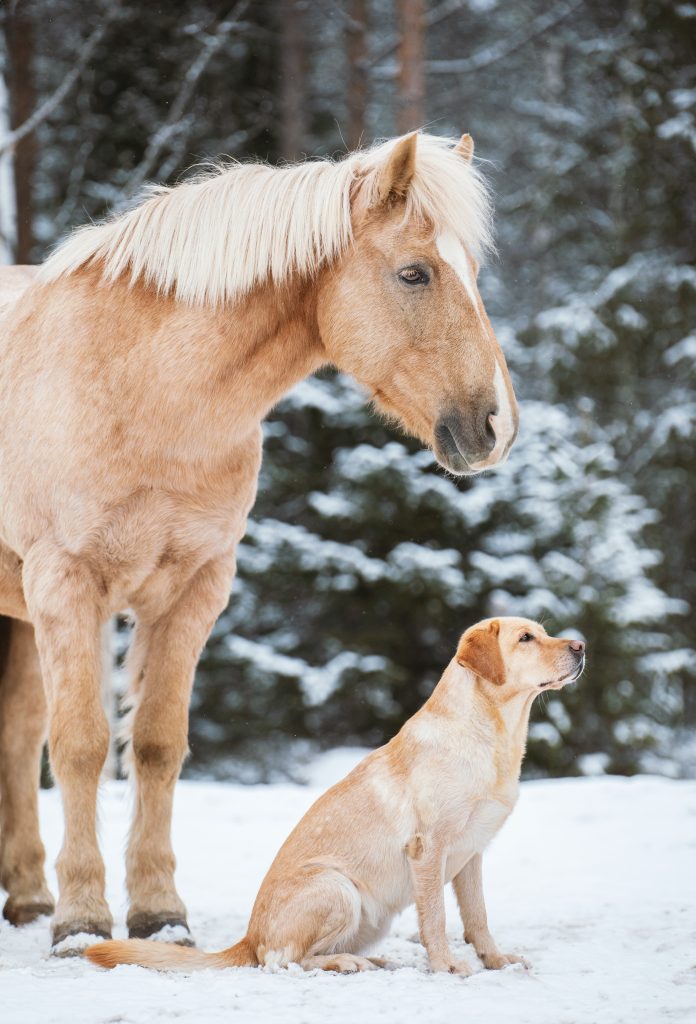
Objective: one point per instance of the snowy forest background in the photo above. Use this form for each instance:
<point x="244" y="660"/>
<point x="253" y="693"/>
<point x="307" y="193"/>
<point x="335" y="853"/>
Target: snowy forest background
<point x="364" y="562"/>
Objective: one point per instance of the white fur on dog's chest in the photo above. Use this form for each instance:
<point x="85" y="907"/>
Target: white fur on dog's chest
<point x="486" y="818"/>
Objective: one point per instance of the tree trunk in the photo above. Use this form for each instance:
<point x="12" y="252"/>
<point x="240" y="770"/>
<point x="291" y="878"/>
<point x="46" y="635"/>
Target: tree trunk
<point x="293" y="86"/>
<point x="411" y="103"/>
<point x="19" y="39"/>
<point x="8" y="206"/>
<point x="356" y="52"/>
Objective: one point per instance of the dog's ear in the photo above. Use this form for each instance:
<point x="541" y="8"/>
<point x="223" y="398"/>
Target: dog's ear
<point x="479" y="651"/>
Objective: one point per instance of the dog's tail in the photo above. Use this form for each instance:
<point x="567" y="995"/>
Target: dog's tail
<point x="165" y="956"/>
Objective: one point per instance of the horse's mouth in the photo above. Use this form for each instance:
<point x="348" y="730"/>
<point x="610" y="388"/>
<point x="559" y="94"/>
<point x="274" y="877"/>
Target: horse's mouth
<point x="455" y="464"/>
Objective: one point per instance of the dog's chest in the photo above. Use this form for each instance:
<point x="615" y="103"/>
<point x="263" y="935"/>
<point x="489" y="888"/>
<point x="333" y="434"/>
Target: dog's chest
<point x="486" y="818"/>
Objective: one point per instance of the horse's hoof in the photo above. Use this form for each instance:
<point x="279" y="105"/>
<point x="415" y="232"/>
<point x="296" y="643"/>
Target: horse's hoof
<point x="160" y="928"/>
<point x="73" y="939"/>
<point x="19" y="914"/>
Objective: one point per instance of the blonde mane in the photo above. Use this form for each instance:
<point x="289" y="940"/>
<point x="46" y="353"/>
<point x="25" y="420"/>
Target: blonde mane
<point x="213" y="238"/>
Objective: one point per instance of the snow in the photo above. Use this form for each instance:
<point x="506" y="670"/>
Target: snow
<point x="681" y="126"/>
<point x="312" y="551"/>
<point x="591" y="880"/>
<point x="681" y="659"/>
<point x="79" y="941"/>
<point x="317" y="684"/>
<point x="172" y="933"/>
<point x="331" y="397"/>
<point x="684" y="349"/>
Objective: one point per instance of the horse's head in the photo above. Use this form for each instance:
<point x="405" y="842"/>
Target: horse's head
<point x="401" y="310"/>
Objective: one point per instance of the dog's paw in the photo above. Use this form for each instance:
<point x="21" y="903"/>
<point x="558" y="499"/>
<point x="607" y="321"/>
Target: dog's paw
<point x="497" y="961"/>
<point x="459" y="967"/>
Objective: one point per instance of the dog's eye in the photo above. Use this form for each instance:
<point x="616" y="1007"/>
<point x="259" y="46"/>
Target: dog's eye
<point x="413" y="275"/>
<point x="525" y="638"/>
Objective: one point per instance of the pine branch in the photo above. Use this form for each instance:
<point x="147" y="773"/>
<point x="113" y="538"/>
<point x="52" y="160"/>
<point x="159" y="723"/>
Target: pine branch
<point x="170" y="127"/>
<point x="491" y="54"/>
<point x="45" y="109"/>
<point x="498" y="51"/>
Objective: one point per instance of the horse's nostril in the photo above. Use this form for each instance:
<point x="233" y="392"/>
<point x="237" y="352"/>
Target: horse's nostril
<point x="466" y="439"/>
<point x="445" y="437"/>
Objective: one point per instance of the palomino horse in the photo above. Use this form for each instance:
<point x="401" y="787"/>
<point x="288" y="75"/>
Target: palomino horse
<point x="134" y="376"/>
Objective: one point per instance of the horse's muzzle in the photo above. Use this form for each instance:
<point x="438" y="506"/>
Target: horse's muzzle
<point x="461" y="443"/>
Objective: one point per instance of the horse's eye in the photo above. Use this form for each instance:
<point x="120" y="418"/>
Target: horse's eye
<point x="525" y="638"/>
<point x="414" y="275"/>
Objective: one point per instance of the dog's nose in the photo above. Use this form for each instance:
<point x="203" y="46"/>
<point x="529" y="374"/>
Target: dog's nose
<point x="578" y="646"/>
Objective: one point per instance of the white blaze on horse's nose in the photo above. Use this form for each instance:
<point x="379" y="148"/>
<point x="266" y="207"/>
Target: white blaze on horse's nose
<point x="453" y="252"/>
<point x="503" y="421"/>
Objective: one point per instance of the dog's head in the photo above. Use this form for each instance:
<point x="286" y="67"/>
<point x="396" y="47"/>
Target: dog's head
<point x="517" y="654"/>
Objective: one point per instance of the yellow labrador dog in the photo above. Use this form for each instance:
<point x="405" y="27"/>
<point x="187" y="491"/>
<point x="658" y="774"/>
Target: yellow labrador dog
<point x="414" y="815"/>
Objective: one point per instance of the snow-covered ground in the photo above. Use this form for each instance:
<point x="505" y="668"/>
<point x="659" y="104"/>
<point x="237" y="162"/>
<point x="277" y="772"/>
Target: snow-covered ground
<point x="593" y="880"/>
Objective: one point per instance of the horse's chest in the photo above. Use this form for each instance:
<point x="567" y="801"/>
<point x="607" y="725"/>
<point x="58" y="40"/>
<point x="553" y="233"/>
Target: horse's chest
<point x="155" y="577"/>
<point x="152" y="544"/>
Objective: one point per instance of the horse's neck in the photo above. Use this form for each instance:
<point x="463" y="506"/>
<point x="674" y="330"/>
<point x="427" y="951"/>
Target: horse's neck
<point x="206" y="376"/>
<point x="13" y="282"/>
<point x="261" y="347"/>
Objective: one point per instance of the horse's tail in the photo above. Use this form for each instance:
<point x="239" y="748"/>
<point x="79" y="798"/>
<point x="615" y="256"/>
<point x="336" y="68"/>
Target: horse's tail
<point x="164" y="956"/>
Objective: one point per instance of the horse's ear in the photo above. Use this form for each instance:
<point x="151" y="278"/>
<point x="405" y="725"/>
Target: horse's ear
<point x="479" y="651"/>
<point x="395" y="177"/>
<point x="465" y="147"/>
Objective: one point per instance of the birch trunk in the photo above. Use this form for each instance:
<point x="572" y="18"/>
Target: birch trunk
<point x="8" y="207"/>
<point x="19" y="60"/>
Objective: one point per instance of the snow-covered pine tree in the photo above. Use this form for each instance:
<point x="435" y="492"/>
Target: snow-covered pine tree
<point x="596" y="290"/>
<point x="348" y="607"/>
<point x="363" y="562"/>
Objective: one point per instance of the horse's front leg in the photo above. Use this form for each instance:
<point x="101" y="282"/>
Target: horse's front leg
<point x="22" y="733"/>
<point x="65" y="597"/>
<point x="163" y="659"/>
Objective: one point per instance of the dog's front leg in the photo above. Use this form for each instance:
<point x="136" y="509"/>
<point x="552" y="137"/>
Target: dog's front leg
<point x="427" y="860"/>
<point x="468" y="887"/>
